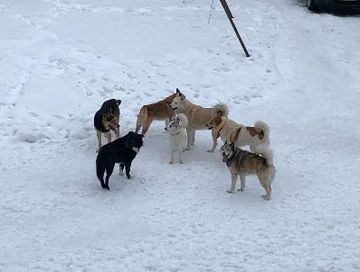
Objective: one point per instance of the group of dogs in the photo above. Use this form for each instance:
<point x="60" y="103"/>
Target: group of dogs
<point x="182" y="118"/>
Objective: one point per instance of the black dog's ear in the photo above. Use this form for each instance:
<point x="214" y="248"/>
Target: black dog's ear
<point x="178" y="91"/>
<point x="118" y="102"/>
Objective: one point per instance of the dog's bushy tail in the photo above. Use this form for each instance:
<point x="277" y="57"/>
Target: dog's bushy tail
<point x="183" y="120"/>
<point x="141" y="117"/>
<point x="266" y="152"/>
<point x="260" y="125"/>
<point x="220" y="109"/>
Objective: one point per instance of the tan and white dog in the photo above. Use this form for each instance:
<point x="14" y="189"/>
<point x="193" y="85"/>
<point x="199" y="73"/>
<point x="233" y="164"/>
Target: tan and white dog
<point x="157" y="111"/>
<point x="197" y="116"/>
<point x="257" y="137"/>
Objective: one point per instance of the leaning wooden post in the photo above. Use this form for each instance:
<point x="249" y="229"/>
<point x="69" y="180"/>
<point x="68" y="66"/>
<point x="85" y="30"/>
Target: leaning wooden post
<point x="230" y="16"/>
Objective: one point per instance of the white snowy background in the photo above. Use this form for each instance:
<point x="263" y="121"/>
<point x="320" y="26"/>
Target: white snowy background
<point x="60" y="59"/>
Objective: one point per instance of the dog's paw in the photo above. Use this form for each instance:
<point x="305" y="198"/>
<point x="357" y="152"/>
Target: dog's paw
<point x="265" y="197"/>
<point x="241" y="190"/>
<point x="181" y="162"/>
<point x="229" y="191"/>
<point x="171" y="162"/>
<point x="210" y="150"/>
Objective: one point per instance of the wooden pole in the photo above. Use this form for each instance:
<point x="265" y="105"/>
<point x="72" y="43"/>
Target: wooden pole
<point x="230" y="16"/>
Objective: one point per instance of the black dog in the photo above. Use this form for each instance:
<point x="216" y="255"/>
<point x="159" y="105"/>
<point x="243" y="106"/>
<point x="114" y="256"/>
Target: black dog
<point x="121" y="151"/>
<point x="106" y="119"/>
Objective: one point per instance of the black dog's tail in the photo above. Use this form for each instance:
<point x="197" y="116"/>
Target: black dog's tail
<point x="100" y="170"/>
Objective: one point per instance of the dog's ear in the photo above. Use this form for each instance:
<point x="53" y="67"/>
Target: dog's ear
<point x="182" y="96"/>
<point x="118" y="102"/>
<point x="178" y="93"/>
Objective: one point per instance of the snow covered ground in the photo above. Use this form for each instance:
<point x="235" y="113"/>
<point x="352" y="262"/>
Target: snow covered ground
<point x="59" y="60"/>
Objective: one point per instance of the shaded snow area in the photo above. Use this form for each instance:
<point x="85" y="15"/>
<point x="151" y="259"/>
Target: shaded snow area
<point x="60" y="59"/>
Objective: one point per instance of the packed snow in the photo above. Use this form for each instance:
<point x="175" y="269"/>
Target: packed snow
<point x="60" y="59"/>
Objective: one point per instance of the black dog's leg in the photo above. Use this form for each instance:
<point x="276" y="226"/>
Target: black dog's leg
<point x="100" y="170"/>
<point x="121" y="169"/>
<point x="109" y="170"/>
<point x="102" y="183"/>
<point x="127" y="169"/>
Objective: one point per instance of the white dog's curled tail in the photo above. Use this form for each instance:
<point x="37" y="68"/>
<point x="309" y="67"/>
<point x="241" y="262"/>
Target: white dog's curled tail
<point x="220" y="109"/>
<point x="266" y="152"/>
<point x="260" y="125"/>
<point x="183" y="120"/>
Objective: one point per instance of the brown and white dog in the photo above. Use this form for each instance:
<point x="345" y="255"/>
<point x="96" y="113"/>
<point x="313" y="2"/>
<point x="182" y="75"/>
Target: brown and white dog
<point x="257" y="137"/>
<point x="197" y="116"/>
<point x="157" y="111"/>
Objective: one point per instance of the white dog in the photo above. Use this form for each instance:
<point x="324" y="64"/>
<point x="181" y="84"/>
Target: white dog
<point x="177" y="131"/>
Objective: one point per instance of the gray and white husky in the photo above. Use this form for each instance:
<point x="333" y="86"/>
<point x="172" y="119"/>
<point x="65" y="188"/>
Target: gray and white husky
<point x="177" y="132"/>
<point x="243" y="163"/>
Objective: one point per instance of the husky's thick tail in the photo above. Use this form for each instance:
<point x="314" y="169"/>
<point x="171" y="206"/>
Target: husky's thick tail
<point x="183" y="120"/>
<point x="142" y="116"/>
<point x="260" y="125"/>
<point x="266" y="152"/>
<point x="220" y="109"/>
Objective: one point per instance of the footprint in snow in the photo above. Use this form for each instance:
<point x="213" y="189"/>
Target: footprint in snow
<point x="33" y="114"/>
<point x="107" y="90"/>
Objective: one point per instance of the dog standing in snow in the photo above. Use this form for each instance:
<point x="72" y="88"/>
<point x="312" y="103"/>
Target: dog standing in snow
<point x="106" y="119"/>
<point x="243" y="163"/>
<point x="198" y="116"/>
<point x="177" y="131"/>
<point x="257" y="137"/>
